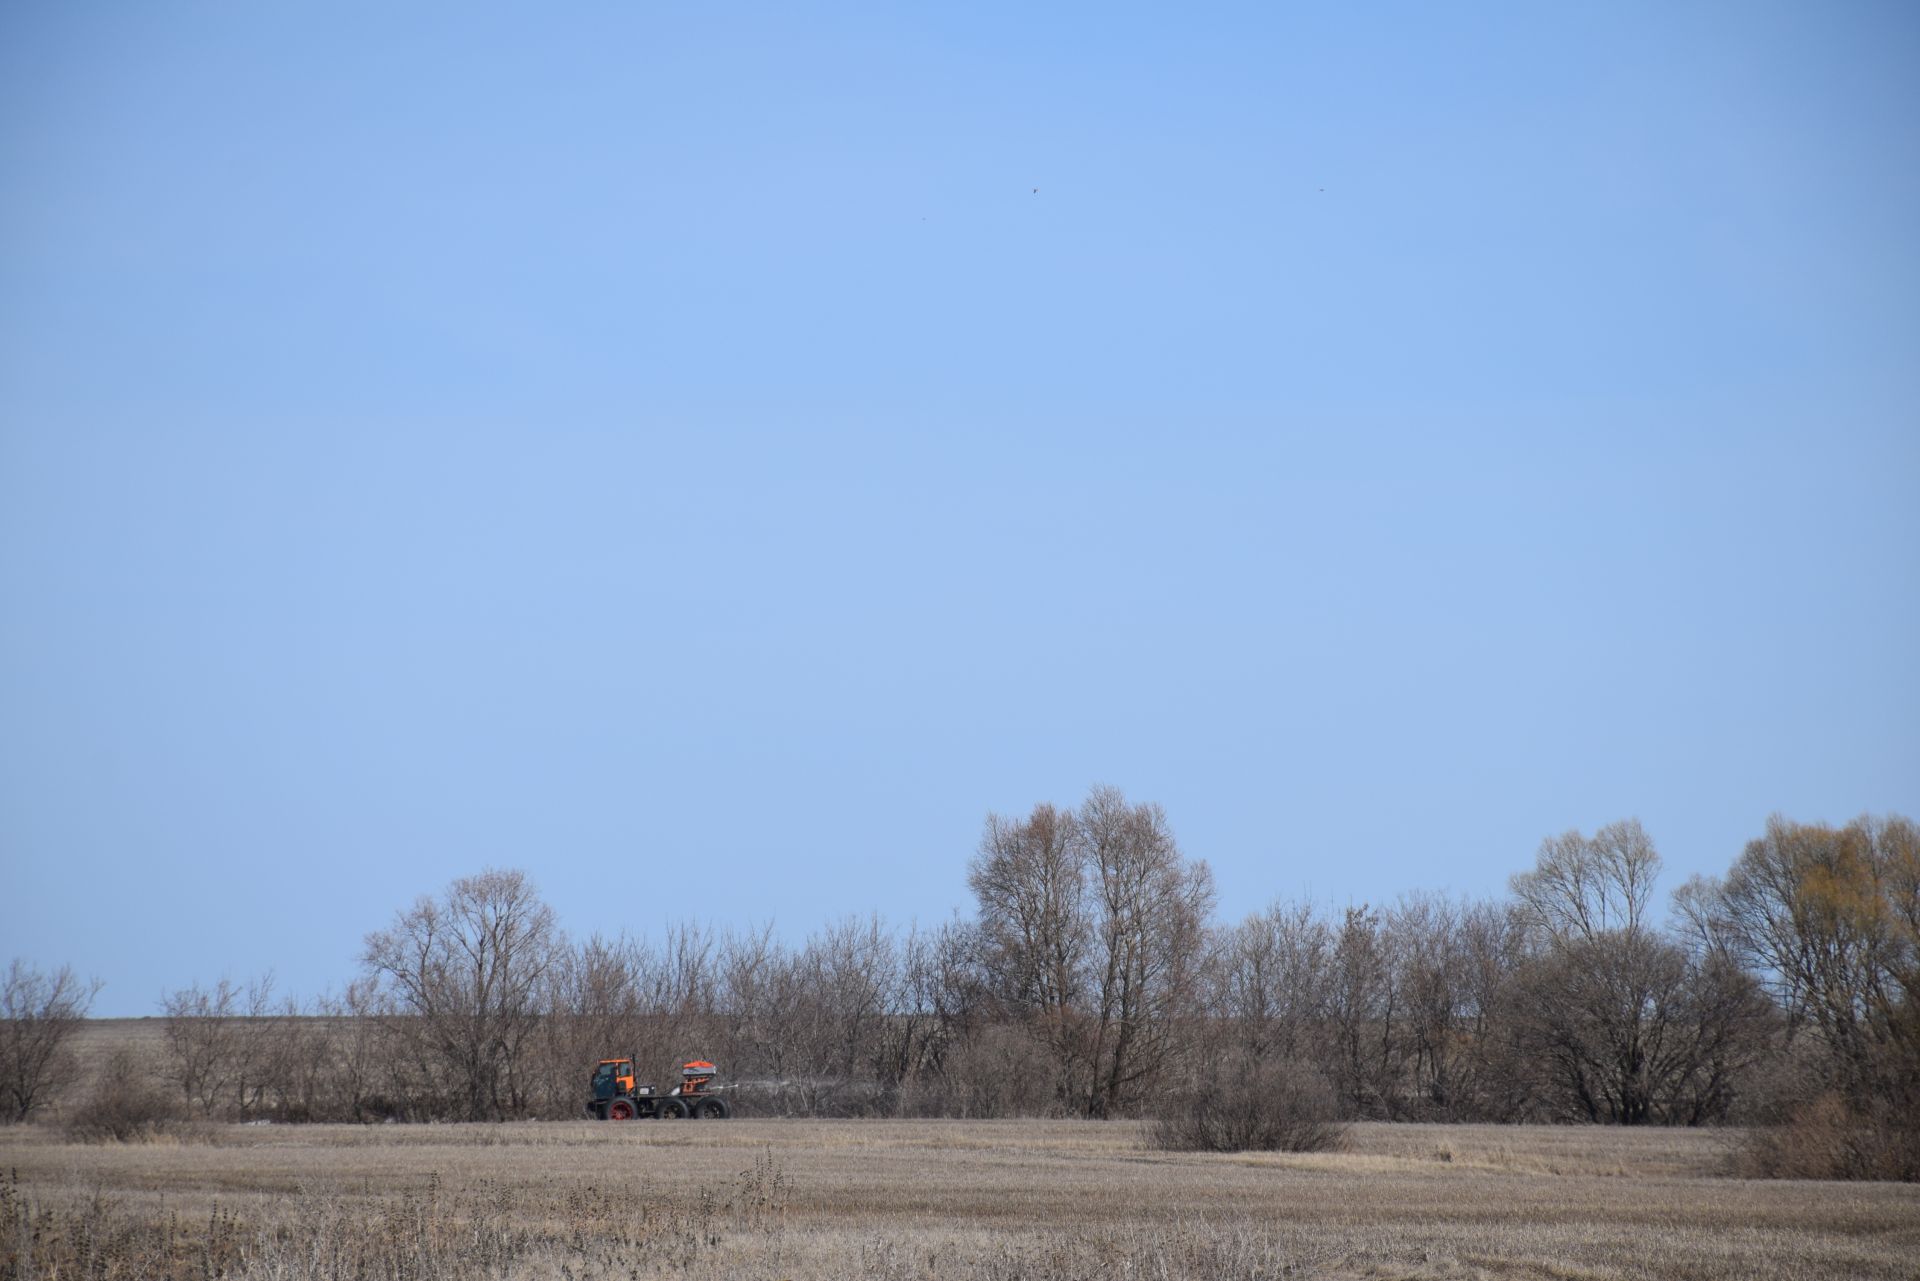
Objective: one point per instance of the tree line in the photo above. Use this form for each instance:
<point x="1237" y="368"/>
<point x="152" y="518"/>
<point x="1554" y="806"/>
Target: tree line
<point x="1093" y="979"/>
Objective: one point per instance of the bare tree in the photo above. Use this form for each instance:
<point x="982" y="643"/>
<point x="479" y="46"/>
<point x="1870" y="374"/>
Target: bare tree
<point x="1029" y="879"/>
<point x="1601" y="991"/>
<point x="261" y="1046"/>
<point x="1729" y="1026"/>
<point x="1495" y="1084"/>
<point x="1270" y="976"/>
<point x="947" y="991"/>
<point x="1150" y="911"/>
<point x="466" y="972"/>
<point x="1700" y="922"/>
<point x="918" y="1032"/>
<point x="228" y="1045"/>
<point x="1092" y="932"/>
<point x="1632" y="1026"/>
<point x="1831" y="916"/>
<point x="1598" y="1008"/>
<point x="1361" y="1005"/>
<point x="348" y="1046"/>
<point x="298" y="1062"/>
<point x="853" y="966"/>
<point x="201" y="1033"/>
<point x="746" y="968"/>
<point x="39" y="1013"/>
<point x="1425" y="929"/>
<point x="1581" y="887"/>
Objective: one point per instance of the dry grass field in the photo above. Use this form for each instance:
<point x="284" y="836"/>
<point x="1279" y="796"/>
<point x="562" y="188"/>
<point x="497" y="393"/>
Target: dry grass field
<point x="924" y="1199"/>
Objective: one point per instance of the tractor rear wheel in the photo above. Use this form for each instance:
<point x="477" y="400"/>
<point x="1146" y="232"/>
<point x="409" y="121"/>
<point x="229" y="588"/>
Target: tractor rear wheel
<point x="620" y="1110"/>
<point x="711" y="1109"/>
<point x="672" y="1110"/>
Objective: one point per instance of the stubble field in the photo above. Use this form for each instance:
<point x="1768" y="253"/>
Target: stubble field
<point x="809" y="1200"/>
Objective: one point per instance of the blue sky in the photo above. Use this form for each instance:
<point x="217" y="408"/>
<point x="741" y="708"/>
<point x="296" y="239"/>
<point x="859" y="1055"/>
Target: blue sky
<point x="677" y="451"/>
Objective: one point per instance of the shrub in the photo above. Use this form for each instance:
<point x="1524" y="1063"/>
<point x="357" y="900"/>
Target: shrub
<point x="124" y="1105"/>
<point x="1827" y="1139"/>
<point x="1255" y="1106"/>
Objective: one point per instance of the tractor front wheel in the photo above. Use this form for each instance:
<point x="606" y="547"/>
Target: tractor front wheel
<point x="620" y="1110"/>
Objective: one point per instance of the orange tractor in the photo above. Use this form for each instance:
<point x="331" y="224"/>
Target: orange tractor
<point x="615" y="1096"/>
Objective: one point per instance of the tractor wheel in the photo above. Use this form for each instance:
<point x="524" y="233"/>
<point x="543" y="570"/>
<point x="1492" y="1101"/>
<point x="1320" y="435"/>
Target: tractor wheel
<point x="711" y="1109"/>
<point x="672" y="1110"/>
<point x="620" y="1110"/>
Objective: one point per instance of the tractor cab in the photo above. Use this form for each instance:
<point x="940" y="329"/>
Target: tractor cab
<point x="613" y="1094"/>
<point x="613" y="1079"/>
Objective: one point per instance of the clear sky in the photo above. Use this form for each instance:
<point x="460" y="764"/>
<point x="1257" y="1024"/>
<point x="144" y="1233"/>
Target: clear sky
<point x="711" y="455"/>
